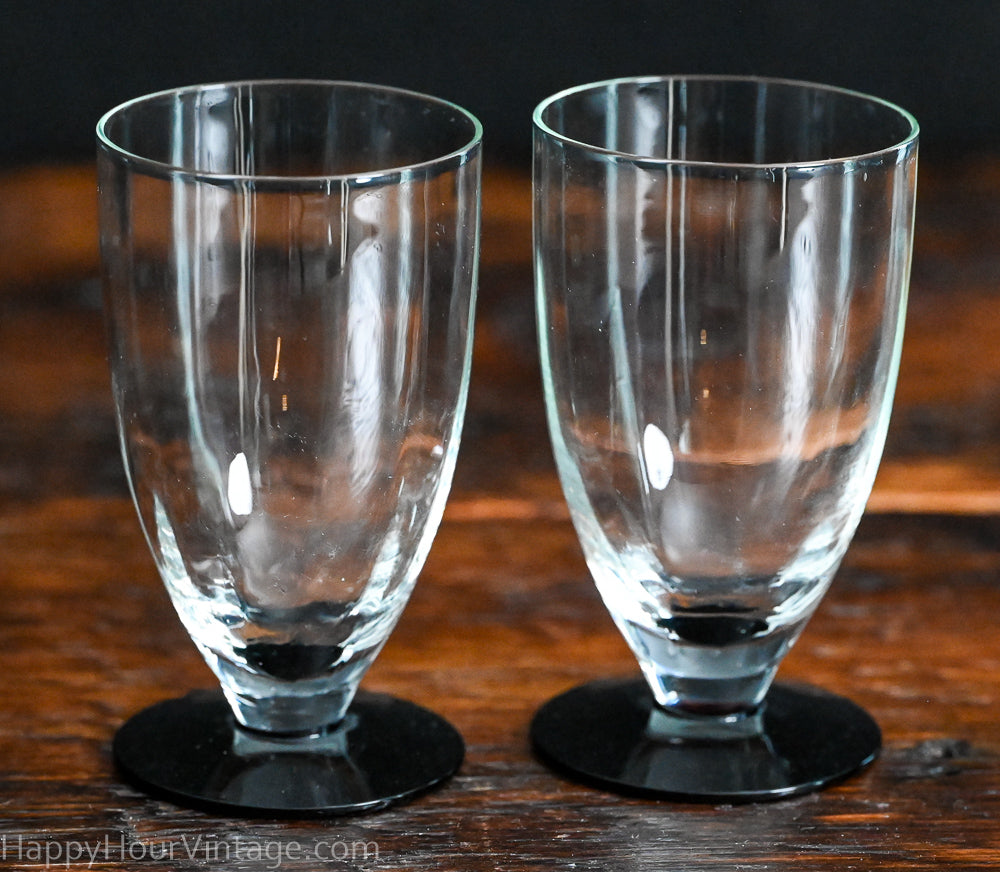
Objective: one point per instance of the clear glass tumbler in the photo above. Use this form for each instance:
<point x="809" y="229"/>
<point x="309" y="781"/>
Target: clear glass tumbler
<point x="721" y="270"/>
<point x="290" y="274"/>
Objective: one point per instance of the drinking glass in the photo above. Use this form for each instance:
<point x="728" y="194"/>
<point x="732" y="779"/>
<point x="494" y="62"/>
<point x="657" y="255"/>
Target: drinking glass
<point x="721" y="273"/>
<point x="290" y="274"/>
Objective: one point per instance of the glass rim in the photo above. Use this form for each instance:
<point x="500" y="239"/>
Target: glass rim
<point x="457" y="156"/>
<point x="651" y="160"/>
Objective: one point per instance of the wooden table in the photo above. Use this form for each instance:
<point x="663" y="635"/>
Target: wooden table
<point x="505" y="615"/>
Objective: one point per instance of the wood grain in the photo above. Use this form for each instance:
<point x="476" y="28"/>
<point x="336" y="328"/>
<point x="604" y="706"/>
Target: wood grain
<point x="505" y="615"/>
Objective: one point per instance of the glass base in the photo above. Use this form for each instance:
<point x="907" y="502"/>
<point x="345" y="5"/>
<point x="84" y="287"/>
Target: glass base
<point x="611" y="734"/>
<point x="192" y="752"/>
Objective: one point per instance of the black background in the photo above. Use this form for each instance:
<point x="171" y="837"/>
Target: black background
<point x="62" y="65"/>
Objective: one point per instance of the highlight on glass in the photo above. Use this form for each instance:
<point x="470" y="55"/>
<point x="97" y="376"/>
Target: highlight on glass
<point x="721" y="272"/>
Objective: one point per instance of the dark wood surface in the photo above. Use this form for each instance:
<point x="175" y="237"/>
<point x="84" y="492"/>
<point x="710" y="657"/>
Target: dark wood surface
<point x="504" y="615"/>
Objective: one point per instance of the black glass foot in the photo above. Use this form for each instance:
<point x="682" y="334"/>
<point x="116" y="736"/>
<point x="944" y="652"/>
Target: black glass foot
<point x="610" y="734"/>
<point x="191" y="752"/>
